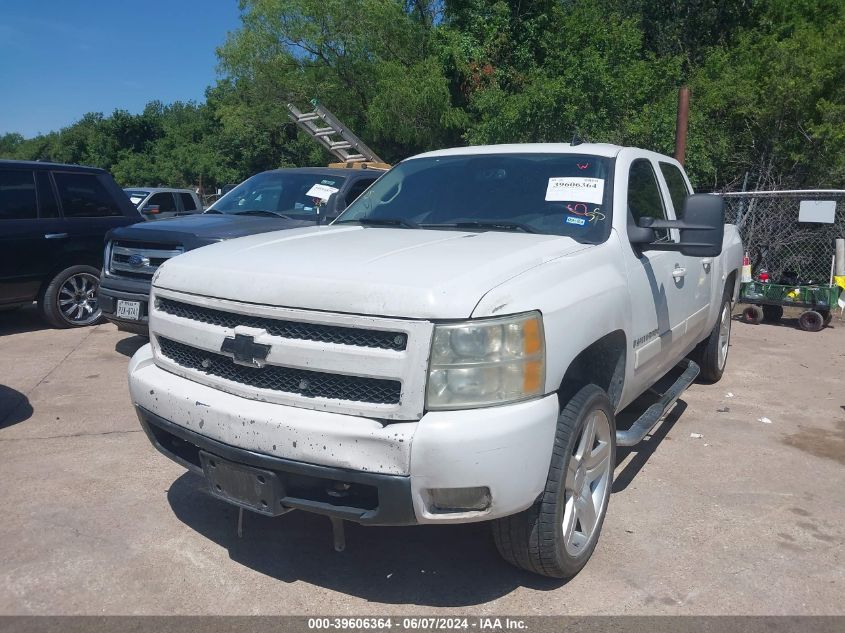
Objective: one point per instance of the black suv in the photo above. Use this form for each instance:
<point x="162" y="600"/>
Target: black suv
<point x="270" y="201"/>
<point x="53" y="219"/>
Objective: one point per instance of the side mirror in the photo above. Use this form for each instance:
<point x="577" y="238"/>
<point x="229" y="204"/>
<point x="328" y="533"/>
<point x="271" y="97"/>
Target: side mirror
<point x="328" y="211"/>
<point x="151" y="209"/>
<point x="702" y="229"/>
<point x="704" y="217"/>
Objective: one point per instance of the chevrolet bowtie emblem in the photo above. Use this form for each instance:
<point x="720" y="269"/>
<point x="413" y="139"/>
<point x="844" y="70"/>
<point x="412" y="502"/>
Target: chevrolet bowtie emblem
<point x="245" y="351"/>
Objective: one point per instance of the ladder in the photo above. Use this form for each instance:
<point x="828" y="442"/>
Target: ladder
<point x="348" y="148"/>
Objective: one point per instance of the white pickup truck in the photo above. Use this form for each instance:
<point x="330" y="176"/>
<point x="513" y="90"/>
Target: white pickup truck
<point x="454" y="348"/>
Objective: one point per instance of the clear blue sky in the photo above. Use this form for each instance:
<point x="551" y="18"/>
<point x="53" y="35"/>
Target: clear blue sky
<point x="62" y="58"/>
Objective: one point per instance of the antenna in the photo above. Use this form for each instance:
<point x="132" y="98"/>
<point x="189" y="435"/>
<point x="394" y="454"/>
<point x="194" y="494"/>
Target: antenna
<point x="576" y="138"/>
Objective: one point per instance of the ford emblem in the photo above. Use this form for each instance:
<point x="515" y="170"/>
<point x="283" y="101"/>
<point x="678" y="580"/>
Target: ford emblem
<point x="138" y="261"/>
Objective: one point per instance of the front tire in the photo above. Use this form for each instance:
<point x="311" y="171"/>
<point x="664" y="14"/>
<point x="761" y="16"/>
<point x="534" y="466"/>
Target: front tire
<point x="70" y="299"/>
<point x="557" y="535"/>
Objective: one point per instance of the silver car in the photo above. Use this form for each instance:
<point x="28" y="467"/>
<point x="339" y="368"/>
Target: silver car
<point x="156" y="203"/>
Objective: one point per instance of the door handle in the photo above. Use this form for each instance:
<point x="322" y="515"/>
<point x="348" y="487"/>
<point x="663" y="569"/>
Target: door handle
<point x="679" y="272"/>
<point x="55" y="236"/>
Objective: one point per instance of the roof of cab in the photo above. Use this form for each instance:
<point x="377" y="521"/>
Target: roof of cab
<point x="596" y="149"/>
<point x="158" y="189"/>
<point x="37" y="164"/>
<point x="328" y="171"/>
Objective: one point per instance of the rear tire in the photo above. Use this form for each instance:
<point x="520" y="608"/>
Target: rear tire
<point x="811" y="321"/>
<point x="752" y="314"/>
<point x="827" y="317"/>
<point x="772" y="314"/>
<point x="712" y="356"/>
<point x="70" y="299"/>
<point x="557" y="535"/>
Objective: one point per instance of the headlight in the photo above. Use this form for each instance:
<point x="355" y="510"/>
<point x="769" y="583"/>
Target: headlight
<point x="107" y="257"/>
<point x="485" y="362"/>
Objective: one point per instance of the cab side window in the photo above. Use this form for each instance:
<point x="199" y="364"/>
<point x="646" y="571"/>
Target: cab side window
<point x="357" y="188"/>
<point x="188" y="203"/>
<point x="164" y="202"/>
<point x="644" y="199"/>
<point x="677" y="187"/>
<point x="17" y="195"/>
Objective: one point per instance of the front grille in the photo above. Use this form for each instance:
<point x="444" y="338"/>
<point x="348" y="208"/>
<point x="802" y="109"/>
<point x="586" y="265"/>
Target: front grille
<point x="288" y="329"/>
<point x="302" y="382"/>
<point x="139" y="260"/>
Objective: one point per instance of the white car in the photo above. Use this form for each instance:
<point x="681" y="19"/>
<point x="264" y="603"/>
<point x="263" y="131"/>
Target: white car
<point x="454" y="348"/>
<point x="157" y="203"/>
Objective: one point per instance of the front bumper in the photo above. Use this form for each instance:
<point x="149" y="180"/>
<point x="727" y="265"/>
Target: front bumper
<point x="371" y="498"/>
<point x="112" y="289"/>
<point x="392" y="467"/>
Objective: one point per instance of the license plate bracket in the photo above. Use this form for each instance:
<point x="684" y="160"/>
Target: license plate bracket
<point x="128" y="309"/>
<point x="256" y="489"/>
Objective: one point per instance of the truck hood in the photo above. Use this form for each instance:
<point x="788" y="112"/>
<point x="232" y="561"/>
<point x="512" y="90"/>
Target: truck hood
<point x="193" y="231"/>
<point x="412" y="273"/>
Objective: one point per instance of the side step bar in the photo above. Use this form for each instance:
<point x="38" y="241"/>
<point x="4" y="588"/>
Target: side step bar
<point x="648" y="420"/>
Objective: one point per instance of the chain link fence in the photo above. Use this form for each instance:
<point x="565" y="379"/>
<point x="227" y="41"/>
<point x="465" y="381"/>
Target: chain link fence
<point x="775" y="238"/>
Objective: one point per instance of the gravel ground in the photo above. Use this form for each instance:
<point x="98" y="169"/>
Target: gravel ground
<point x="748" y="518"/>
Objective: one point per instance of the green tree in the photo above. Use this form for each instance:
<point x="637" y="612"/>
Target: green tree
<point x="9" y="143"/>
<point x="364" y="59"/>
<point x="767" y="80"/>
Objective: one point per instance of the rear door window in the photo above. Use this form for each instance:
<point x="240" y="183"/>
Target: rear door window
<point x="17" y="195"/>
<point x="188" y="203"/>
<point x="84" y="196"/>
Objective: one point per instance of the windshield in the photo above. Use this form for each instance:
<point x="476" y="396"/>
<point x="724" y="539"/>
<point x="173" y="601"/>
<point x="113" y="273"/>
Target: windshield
<point x="558" y="194"/>
<point x="136" y="195"/>
<point x="288" y="193"/>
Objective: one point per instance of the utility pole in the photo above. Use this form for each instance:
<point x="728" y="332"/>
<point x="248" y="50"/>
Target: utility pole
<point x="681" y="124"/>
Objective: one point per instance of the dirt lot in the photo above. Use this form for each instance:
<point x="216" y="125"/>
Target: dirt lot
<point x="749" y="518"/>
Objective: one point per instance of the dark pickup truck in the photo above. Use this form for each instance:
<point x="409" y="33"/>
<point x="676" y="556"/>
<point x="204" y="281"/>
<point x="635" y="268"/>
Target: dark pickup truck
<point x="270" y="201"/>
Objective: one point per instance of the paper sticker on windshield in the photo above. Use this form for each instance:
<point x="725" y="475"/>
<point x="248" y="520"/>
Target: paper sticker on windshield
<point x="323" y="192"/>
<point x="575" y="189"/>
<point x="577" y="221"/>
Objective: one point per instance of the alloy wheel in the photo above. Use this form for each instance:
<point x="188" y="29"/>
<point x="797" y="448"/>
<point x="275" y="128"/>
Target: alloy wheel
<point x="724" y="335"/>
<point x="587" y="478"/>
<point x="77" y="299"/>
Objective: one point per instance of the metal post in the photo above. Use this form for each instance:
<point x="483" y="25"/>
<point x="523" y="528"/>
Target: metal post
<point x="681" y="124"/>
<point x="741" y="208"/>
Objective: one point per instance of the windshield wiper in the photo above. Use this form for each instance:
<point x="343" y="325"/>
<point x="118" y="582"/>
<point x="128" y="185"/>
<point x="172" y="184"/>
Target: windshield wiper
<point x="501" y="226"/>
<point x="258" y="212"/>
<point x="384" y="222"/>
